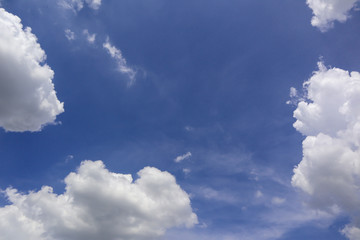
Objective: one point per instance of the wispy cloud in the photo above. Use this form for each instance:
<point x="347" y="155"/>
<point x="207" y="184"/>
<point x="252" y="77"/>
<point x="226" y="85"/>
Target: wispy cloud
<point x="89" y="37"/>
<point x="122" y="66"/>
<point x="70" y="35"/>
<point x="77" y="5"/>
<point x="277" y="200"/>
<point x="182" y="157"/>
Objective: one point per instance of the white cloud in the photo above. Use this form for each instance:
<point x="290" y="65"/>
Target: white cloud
<point x="189" y="128"/>
<point x="77" y="5"/>
<point x="332" y="105"/>
<point x="120" y="60"/>
<point x="94" y="4"/>
<point x="27" y="97"/>
<point x="258" y="194"/>
<point x="212" y="194"/>
<point x="327" y="11"/>
<point x="89" y="37"/>
<point x="98" y="204"/>
<point x="272" y="224"/>
<point x="70" y="35"/>
<point x="182" y="157"/>
<point x="277" y="200"/>
<point x="293" y="92"/>
<point x="294" y="97"/>
<point x="330" y="119"/>
<point x="69" y="158"/>
<point x="351" y="232"/>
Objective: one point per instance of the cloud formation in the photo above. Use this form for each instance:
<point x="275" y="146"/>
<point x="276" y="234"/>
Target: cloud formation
<point x="28" y="100"/>
<point x="89" y="37"/>
<point x="327" y="11"/>
<point x="70" y="35"/>
<point x="122" y="66"/>
<point x="77" y="5"/>
<point x="98" y="204"/>
<point x="182" y="157"/>
<point x="329" y="117"/>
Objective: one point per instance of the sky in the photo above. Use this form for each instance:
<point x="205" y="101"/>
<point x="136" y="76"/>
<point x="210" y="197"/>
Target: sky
<point x="169" y="120"/>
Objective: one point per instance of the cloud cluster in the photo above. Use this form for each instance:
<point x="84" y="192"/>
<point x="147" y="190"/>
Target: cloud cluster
<point x="330" y="119"/>
<point x="28" y="100"/>
<point x="98" y="204"/>
<point x="77" y="5"/>
<point x="122" y="66"/>
<point x="327" y="11"/>
<point x="70" y="35"/>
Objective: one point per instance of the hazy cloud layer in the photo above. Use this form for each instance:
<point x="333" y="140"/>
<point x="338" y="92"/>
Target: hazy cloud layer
<point x="327" y="11"/>
<point x="98" y="204"/>
<point x="27" y="97"/>
<point x="330" y="119"/>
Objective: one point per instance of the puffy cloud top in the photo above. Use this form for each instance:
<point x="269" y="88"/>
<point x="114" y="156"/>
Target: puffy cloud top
<point x="329" y="117"/>
<point x="98" y="204"/>
<point x="327" y="11"/>
<point x="332" y="102"/>
<point x="27" y="97"/>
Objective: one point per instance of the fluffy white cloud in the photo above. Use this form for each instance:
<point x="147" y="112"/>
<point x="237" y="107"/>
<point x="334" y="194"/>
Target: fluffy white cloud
<point x="98" y="204"/>
<point x="327" y="11"/>
<point x="120" y="60"/>
<point x="182" y="157"/>
<point x="27" y="97"/>
<point x="332" y="104"/>
<point x="77" y="5"/>
<point x="329" y="117"/>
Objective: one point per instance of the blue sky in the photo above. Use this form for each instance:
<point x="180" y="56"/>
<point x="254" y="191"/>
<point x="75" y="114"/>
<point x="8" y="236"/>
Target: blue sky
<point x="145" y="82"/>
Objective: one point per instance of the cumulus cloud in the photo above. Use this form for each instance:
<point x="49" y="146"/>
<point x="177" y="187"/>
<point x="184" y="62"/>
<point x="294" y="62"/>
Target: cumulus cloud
<point x="98" y="204"/>
<point x="77" y="5"/>
<point x="122" y="66"/>
<point x="329" y="117"/>
<point x="327" y="11"/>
<point x="89" y="37"/>
<point x="28" y="100"/>
<point x="182" y="157"/>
